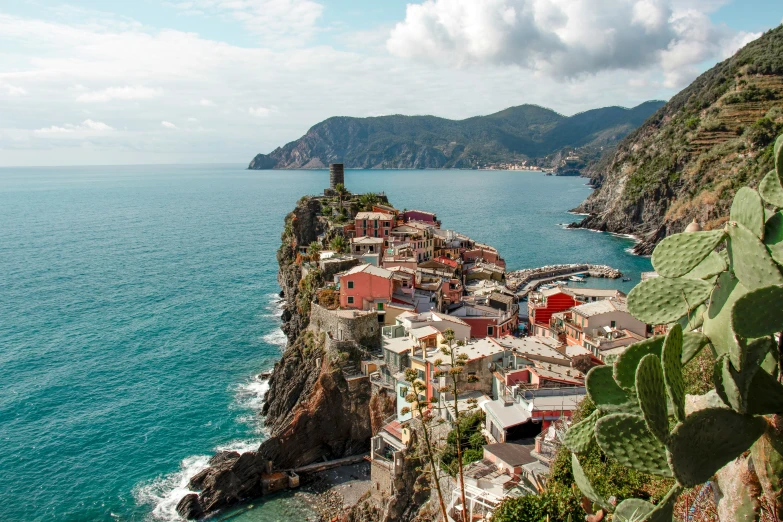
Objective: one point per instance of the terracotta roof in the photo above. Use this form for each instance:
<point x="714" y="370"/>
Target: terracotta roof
<point x="370" y="269"/>
<point x="600" y="307"/>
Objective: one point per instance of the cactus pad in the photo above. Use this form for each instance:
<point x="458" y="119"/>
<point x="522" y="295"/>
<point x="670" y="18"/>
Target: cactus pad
<point x="652" y="396"/>
<point x="707" y="440"/>
<point x="717" y="320"/>
<point x="767" y="454"/>
<point x="671" y="359"/>
<point x="773" y="236"/>
<point x="626" y="363"/>
<point x="662" y="300"/>
<point x="605" y="392"/>
<point x="770" y="189"/>
<point x="580" y="435"/>
<point x="779" y="154"/>
<point x="710" y="266"/>
<point x="758" y="313"/>
<point x="764" y="395"/>
<point x="750" y="259"/>
<point x="583" y="483"/>
<point x="678" y="254"/>
<point x="733" y="385"/>
<point x="633" y="510"/>
<point x="717" y="379"/>
<point x="692" y="343"/>
<point x="748" y="210"/>
<point x="625" y="438"/>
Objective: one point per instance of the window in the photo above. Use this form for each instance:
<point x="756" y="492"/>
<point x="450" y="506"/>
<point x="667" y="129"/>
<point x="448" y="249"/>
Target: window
<point x="421" y="374"/>
<point x="613" y="324"/>
<point x="376" y="223"/>
<point x="385" y="232"/>
<point x="350" y="284"/>
<point x="403" y="391"/>
<point x="350" y="299"/>
<point x="380" y="306"/>
<point x="490" y="330"/>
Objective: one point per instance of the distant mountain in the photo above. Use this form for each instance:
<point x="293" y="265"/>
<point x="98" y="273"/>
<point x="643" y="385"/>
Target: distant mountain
<point x="526" y="132"/>
<point x="687" y="161"/>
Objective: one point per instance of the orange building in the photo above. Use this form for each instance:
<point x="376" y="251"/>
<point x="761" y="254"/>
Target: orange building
<point x="366" y="287"/>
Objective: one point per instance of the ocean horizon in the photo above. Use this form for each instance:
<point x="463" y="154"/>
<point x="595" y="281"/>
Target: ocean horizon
<point x="140" y="302"/>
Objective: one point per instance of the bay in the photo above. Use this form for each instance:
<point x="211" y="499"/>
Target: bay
<point x="137" y="304"/>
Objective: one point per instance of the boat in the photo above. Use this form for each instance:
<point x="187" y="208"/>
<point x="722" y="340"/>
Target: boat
<point x="626" y="279"/>
<point x="561" y="282"/>
<point x="576" y="279"/>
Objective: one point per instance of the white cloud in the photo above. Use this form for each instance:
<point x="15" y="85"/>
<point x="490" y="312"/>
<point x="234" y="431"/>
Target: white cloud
<point x="278" y="23"/>
<point x="262" y="112"/>
<point x="563" y="38"/>
<point x="168" y="125"/>
<point x="86" y="127"/>
<point x="12" y="90"/>
<point x="206" y="103"/>
<point x="138" y="92"/>
<point x="193" y="120"/>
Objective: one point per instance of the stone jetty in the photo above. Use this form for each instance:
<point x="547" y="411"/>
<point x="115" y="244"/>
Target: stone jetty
<point x="518" y="279"/>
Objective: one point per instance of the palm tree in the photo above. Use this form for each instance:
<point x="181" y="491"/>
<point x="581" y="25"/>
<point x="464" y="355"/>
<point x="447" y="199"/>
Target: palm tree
<point x="314" y="251"/>
<point x="338" y="244"/>
<point x="341" y="193"/>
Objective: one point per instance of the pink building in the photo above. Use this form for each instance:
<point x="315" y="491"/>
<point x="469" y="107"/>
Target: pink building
<point x="374" y="224"/>
<point x="486" y="253"/>
<point x="366" y="287"/>
<point x="420" y="216"/>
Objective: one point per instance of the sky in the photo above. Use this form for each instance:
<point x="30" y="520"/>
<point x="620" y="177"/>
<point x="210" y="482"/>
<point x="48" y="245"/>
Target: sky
<point x="104" y="82"/>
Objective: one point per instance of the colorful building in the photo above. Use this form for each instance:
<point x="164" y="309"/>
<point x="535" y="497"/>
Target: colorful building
<point x="366" y="287"/>
<point x="374" y="224"/>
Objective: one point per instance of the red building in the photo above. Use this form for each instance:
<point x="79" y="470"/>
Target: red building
<point x="543" y="304"/>
<point x="366" y="287"/>
<point x="374" y="224"/>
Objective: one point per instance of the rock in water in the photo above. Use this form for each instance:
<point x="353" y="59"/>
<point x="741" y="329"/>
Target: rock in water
<point x="189" y="507"/>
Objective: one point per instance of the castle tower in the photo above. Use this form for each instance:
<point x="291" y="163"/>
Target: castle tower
<point x="336" y="175"/>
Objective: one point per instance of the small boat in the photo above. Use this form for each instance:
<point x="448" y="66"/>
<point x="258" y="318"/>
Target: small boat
<point x="626" y="279"/>
<point x="576" y="279"/>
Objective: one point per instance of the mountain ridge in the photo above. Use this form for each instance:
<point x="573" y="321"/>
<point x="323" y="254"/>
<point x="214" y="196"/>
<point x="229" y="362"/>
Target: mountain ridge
<point x="689" y="158"/>
<point x="524" y="133"/>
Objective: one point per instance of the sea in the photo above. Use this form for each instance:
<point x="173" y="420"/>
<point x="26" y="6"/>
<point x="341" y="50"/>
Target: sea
<point x="138" y="304"/>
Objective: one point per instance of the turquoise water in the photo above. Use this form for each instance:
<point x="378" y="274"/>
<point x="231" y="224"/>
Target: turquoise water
<point x="137" y="304"/>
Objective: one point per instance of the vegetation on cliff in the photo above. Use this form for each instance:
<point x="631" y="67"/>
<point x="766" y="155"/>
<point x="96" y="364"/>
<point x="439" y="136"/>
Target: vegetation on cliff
<point x="515" y="134"/>
<point x="688" y="160"/>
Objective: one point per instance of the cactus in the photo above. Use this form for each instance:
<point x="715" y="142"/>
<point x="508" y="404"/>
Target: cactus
<point x="671" y="358"/>
<point x="663" y="300"/>
<point x="734" y="432"/>
<point x="579" y="437"/>
<point x="708" y="440"/>
<point x="750" y="259"/>
<point x="758" y="313"/>
<point x="652" y="396"/>
<point x="625" y="438"/>
<point x="679" y="254"/>
<point x="770" y="189"/>
<point x="748" y="210"/>
<point x="584" y="484"/>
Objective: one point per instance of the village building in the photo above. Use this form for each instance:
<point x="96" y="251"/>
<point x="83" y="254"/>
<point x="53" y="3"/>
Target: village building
<point x="366" y="245"/>
<point x="486" y="321"/>
<point x="366" y="287"/>
<point x="374" y="224"/>
<point x="589" y="319"/>
<point x="420" y="216"/>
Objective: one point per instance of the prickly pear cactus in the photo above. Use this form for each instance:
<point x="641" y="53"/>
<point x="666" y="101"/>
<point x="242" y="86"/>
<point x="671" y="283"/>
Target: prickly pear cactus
<point x="721" y="289"/>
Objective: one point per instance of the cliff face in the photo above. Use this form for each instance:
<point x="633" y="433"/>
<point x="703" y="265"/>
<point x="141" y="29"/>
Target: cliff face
<point x="687" y="161"/>
<point x="514" y="134"/>
<point x="312" y="410"/>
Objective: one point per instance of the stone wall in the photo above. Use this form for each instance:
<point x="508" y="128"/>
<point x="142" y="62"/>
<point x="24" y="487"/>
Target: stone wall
<point x="381" y="478"/>
<point x="348" y="325"/>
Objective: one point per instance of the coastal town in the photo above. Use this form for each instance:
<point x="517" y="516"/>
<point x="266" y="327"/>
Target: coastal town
<point x="396" y="293"/>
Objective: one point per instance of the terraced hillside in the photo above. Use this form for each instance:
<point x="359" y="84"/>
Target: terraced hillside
<point x="689" y="158"/>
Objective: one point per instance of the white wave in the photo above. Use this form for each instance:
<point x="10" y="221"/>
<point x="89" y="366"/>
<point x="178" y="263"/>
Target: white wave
<point x="276" y="337"/>
<point x="275" y="306"/>
<point x="165" y="491"/>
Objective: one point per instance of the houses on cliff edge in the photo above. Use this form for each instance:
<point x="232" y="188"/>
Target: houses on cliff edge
<point x="422" y="283"/>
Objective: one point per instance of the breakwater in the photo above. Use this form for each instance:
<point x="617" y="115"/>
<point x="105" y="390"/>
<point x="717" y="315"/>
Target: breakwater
<point x="522" y="281"/>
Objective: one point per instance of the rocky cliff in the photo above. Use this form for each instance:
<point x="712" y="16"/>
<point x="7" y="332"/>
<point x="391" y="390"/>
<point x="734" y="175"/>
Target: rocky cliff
<point x="527" y="132"/>
<point x="312" y="410"/>
<point x="687" y="161"/>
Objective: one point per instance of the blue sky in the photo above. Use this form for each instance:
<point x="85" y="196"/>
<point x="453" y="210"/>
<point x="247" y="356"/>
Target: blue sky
<point x="152" y="81"/>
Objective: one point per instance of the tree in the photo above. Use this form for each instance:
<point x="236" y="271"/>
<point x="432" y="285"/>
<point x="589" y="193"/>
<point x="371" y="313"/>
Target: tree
<point x="731" y="302"/>
<point x="366" y="201"/>
<point x="314" y="251"/>
<point x="338" y="244"/>
<point x="341" y="193"/>
<point x="424" y="411"/>
<point x="456" y="366"/>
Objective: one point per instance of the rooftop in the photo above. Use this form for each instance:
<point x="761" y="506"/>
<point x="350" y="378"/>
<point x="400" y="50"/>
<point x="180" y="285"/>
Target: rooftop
<point x="512" y="454"/>
<point x="508" y="415"/>
<point x="374" y="215"/>
<point x="424" y="331"/>
<point x="366" y="240"/>
<point x="398" y="344"/>
<point x="595" y="292"/>
<point x="475" y="349"/>
<point x="534" y="345"/>
<point x="559" y="402"/>
<point x="604" y="306"/>
<point x="370" y="269"/>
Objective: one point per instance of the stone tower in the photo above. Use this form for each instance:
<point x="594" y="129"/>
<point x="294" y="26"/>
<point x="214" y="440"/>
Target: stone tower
<point x="336" y="175"/>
